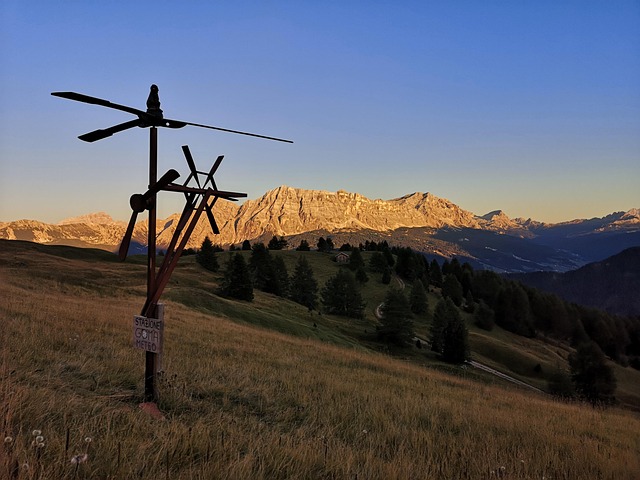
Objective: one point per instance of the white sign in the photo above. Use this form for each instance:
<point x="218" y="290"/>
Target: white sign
<point x="147" y="333"/>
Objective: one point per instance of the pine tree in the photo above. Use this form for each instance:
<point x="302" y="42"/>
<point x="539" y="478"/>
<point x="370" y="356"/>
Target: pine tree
<point x="355" y="259"/>
<point x="304" y="246"/>
<point x="388" y="255"/>
<point x="206" y="256"/>
<point x="361" y="276"/>
<point x="386" y="275"/>
<point x="418" y="298"/>
<point x="407" y="264"/>
<point x="322" y="245"/>
<point x="377" y="262"/>
<point x="593" y="378"/>
<point x="455" y="339"/>
<point x="277" y="243"/>
<point x="303" y="285"/>
<point x="435" y="274"/>
<point x="512" y="310"/>
<point x="246" y="245"/>
<point x="483" y="316"/>
<point x="282" y="275"/>
<point x="440" y="318"/>
<point x="397" y="320"/>
<point x="451" y="288"/>
<point x="237" y="279"/>
<point x="341" y="295"/>
<point x="274" y="244"/>
<point x="261" y="268"/>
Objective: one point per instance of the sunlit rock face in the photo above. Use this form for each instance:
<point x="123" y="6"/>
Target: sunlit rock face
<point x="287" y="211"/>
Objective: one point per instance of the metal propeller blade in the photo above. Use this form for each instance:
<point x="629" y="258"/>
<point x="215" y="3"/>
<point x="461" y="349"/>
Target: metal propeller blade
<point x="126" y="240"/>
<point x="192" y="164"/>
<point x="237" y="131"/>
<point x="213" y="170"/>
<point x="80" y="97"/>
<point x="212" y="220"/>
<point x="146" y="119"/>
<point x="107" y="132"/>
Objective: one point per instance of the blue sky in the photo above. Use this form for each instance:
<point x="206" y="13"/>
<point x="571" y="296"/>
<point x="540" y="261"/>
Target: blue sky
<point x="528" y="107"/>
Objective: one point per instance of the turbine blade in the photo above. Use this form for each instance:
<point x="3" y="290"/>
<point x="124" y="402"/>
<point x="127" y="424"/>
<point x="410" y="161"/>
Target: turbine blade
<point x="215" y="166"/>
<point x="235" y="131"/>
<point x="212" y="220"/>
<point x="126" y="240"/>
<point x="107" y="132"/>
<point x="80" y="97"/>
<point x="191" y="163"/>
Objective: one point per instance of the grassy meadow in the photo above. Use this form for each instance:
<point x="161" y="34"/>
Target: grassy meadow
<point x="255" y="391"/>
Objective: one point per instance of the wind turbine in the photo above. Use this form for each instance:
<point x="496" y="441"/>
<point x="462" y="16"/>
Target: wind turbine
<point x="152" y="119"/>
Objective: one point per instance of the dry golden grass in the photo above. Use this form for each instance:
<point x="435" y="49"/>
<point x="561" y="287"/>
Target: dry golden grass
<point x="247" y="403"/>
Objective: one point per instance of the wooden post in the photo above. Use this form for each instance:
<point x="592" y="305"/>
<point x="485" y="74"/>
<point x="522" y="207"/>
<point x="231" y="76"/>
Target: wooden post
<point x="150" y="389"/>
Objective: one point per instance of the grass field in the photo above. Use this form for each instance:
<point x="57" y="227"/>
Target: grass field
<point x="254" y="390"/>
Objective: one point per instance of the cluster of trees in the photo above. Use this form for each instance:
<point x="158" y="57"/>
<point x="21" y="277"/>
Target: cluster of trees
<point x="491" y="298"/>
<point x="496" y="300"/>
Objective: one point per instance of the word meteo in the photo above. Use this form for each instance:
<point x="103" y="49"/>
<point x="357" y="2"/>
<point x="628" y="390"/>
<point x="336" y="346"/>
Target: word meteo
<point x="147" y="333"/>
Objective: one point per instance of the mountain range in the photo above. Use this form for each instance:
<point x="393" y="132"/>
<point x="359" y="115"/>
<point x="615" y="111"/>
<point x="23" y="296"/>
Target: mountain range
<point x="429" y="224"/>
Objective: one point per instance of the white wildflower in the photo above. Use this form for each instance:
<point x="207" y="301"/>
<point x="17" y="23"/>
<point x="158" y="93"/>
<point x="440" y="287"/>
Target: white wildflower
<point x="81" y="458"/>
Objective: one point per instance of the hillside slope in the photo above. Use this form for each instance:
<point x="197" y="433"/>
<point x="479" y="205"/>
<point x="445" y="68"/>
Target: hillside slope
<point x="242" y="401"/>
<point x="612" y="285"/>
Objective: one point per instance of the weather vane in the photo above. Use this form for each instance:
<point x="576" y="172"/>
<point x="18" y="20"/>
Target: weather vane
<point x="148" y="324"/>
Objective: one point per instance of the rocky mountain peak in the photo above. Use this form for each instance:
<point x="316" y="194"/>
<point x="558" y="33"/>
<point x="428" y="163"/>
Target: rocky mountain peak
<point x="98" y="218"/>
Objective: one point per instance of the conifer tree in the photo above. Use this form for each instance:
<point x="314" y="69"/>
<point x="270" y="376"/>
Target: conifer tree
<point x="322" y="245"/>
<point x="451" y="288"/>
<point x="512" y="310"/>
<point x="455" y="339"/>
<point x="361" y="276"/>
<point x="437" y="324"/>
<point x="303" y="285"/>
<point x="386" y="275"/>
<point x="377" y="262"/>
<point x="237" y="279"/>
<point x="355" y="259"/>
<point x="274" y="244"/>
<point x="397" y="320"/>
<point x="281" y="275"/>
<point x="341" y="295"/>
<point x="483" y="316"/>
<point x="304" y="246"/>
<point x="444" y="310"/>
<point x="386" y="251"/>
<point x="593" y="378"/>
<point x="435" y="274"/>
<point x="260" y="266"/>
<point x="418" y="298"/>
<point x="206" y="256"/>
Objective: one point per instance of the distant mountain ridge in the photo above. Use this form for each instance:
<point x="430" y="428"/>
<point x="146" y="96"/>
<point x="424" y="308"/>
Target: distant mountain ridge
<point x="423" y="221"/>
